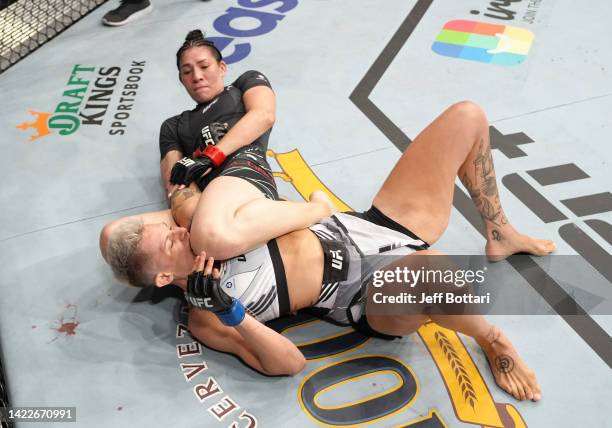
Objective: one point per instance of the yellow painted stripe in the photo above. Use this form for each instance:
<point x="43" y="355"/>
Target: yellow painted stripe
<point x="481" y="410"/>
<point x="298" y="173"/>
<point x="429" y="415"/>
<point x="516" y="416"/>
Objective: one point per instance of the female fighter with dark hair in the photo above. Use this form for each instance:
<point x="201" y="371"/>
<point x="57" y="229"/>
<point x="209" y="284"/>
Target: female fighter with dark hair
<point x="221" y="145"/>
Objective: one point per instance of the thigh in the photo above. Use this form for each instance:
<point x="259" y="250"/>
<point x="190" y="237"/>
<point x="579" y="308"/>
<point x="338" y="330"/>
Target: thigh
<point x="223" y="196"/>
<point x="418" y="193"/>
<point x="400" y="319"/>
<point x="397" y="325"/>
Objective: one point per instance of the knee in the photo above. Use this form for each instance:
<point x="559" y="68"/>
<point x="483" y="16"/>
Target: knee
<point x="214" y="238"/>
<point x="469" y="113"/>
<point x="378" y="323"/>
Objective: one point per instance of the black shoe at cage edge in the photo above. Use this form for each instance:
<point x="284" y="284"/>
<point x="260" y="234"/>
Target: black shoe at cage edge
<point x="127" y="11"/>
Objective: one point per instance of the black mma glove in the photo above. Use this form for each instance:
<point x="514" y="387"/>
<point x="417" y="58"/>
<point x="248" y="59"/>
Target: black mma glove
<point x="187" y="170"/>
<point x="210" y="136"/>
<point x="205" y="157"/>
<point x="204" y="292"/>
<point x="207" y="149"/>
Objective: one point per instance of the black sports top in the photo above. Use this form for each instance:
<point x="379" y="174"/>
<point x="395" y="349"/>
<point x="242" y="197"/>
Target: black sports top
<point x="182" y="132"/>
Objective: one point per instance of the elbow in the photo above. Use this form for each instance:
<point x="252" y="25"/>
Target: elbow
<point x="298" y="365"/>
<point x="267" y="117"/>
<point x="271" y="118"/>
<point x="293" y="365"/>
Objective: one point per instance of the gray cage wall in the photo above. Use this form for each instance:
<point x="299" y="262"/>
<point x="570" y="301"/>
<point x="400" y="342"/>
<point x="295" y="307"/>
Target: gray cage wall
<point x="26" y="25"/>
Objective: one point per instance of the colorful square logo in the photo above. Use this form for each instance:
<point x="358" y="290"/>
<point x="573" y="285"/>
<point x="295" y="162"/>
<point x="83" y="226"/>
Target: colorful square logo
<point x="479" y="41"/>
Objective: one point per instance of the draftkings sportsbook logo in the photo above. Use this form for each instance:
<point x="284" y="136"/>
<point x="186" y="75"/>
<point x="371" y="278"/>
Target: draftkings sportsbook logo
<point x="86" y="99"/>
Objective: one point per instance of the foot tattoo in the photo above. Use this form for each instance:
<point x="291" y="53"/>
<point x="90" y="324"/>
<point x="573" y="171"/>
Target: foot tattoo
<point x="504" y="363"/>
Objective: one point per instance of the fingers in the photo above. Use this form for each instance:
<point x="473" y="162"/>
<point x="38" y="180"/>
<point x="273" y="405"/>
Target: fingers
<point x="173" y="189"/>
<point x="169" y="187"/>
<point x="209" y="265"/>
<point x="202" y="264"/>
<point x="198" y="264"/>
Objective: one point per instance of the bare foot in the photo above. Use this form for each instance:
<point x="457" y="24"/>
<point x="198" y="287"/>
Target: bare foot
<point x="322" y="197"/>
<point x="507" y="242"/>
<point x="510" y="371"/>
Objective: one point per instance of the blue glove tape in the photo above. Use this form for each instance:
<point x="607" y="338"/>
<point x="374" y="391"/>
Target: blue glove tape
<point x="234" y="315"/>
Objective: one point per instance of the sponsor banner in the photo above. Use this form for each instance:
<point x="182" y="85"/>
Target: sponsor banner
<point x="85" y="102"/>
<point x="496" y="38"/>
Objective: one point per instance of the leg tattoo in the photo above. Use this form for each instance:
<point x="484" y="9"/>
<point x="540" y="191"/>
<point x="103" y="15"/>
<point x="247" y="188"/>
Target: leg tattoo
<point x="477" y="174"/>
<point x="481" y="184"/>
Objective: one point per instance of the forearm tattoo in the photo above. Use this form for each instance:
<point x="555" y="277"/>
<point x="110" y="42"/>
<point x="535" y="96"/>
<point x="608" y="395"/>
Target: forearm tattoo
<point x="178" y="200"/>
<point x="483" y="189"/>
<point x="179" y="197"/>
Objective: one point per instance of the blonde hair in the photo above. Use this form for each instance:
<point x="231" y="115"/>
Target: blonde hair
<point x="125" y="256"/>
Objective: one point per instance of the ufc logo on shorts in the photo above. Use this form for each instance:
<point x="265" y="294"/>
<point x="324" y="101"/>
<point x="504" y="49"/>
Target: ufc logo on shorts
<point x="199" y="302"/>
<point x="336" y="259"/>
<point x="206" y="136"/>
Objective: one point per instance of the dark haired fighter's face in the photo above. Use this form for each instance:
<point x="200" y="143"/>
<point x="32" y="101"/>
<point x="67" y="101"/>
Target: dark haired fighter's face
<point x="201" y="74"/>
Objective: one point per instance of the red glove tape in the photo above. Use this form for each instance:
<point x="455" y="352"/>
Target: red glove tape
<point x="198" y="153"/>
<point x="215" y="154"/>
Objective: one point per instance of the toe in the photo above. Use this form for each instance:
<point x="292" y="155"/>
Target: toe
<point x="512" y="389"/>
<point x="528" y="392"/>
<point x="537" y="392"/>
<point x="520" y="390"/>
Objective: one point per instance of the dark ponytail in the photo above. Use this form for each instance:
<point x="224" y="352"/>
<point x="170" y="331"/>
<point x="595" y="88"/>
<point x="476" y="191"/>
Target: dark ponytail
<point x="196" y="38"/>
